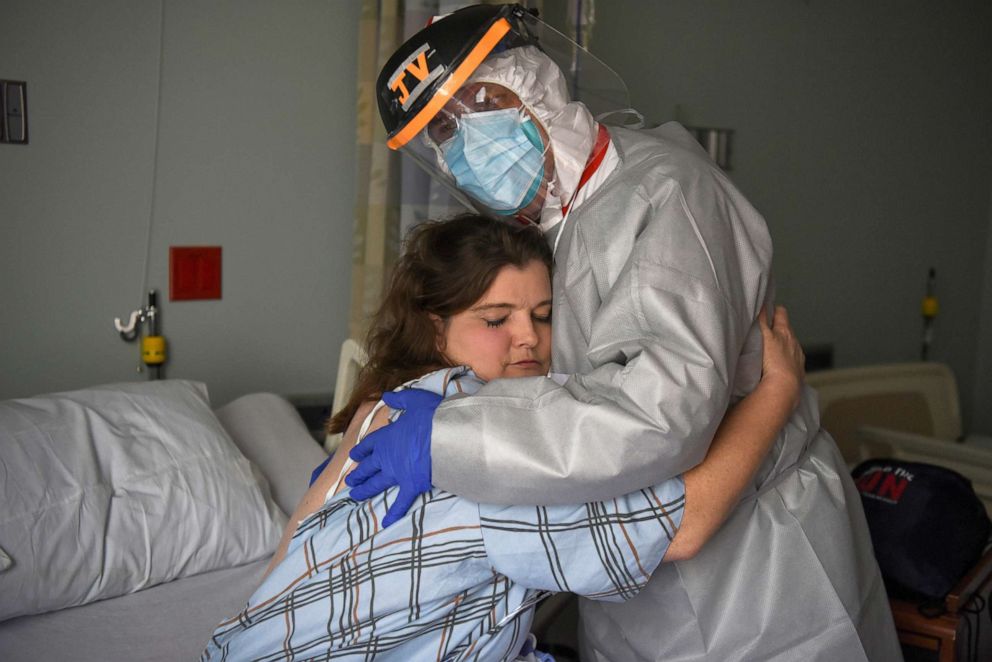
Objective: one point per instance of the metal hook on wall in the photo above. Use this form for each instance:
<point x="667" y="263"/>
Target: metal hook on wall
<point x="129" y="331"/>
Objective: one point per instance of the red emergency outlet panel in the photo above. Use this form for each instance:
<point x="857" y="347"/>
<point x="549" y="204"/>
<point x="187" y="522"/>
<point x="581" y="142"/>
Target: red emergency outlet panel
<point x="194" y="272"/>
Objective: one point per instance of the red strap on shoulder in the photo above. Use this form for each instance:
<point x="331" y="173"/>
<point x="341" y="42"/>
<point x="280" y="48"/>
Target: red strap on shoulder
<point x="592" y="165"/>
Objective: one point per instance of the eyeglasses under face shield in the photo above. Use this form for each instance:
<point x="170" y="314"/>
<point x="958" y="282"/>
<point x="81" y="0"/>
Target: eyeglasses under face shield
<point x="491" y="148"/>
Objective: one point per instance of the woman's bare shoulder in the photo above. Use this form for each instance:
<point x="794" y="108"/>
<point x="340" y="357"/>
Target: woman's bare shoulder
<point x="363" y="411"/>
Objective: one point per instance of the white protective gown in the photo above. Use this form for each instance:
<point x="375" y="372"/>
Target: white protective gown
<point x="660" y="275"/>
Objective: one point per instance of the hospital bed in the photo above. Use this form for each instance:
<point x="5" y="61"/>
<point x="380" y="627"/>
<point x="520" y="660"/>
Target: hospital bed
<point x="350" y="362"/>
<point x="918" y="398"/>
<point x="255" y="450"/>
<point x="911" y="412"/>
<point x="904" y="411"/>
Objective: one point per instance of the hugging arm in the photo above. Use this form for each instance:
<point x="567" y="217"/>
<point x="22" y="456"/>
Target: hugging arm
<point x="743" y="439"/>
<point x="622" y="425"/>
<point x="663" y="348"/>
<point x="664" y="364"/>
<point x="605" y="550"/>
<point x="608" y="550"/>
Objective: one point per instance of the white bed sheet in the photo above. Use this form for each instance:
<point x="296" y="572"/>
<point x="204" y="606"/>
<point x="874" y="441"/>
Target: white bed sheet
<point x="168" y="623"/>
<point x="172" y="621"/>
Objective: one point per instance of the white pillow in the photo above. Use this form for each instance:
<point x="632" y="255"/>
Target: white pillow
<point x="112" y="489"/>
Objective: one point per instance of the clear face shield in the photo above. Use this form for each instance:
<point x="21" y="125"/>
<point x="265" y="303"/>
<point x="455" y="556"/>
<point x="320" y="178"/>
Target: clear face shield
<point x="487" y="145"/>
<point x="510" y="124"/>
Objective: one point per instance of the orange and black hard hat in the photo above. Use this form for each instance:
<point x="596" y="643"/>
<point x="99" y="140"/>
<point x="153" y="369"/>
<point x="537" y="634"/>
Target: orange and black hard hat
<point x="421" y="77"/>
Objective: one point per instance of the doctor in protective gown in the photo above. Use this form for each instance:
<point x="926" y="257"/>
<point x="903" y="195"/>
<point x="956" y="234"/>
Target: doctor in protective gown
<point x="662" y="268"/>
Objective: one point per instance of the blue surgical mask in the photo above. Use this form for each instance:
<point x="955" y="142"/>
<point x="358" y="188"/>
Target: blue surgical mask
<point x="496" y="156"/>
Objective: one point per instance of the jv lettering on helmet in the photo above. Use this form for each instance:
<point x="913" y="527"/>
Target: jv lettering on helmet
<point x="416" y="67"/>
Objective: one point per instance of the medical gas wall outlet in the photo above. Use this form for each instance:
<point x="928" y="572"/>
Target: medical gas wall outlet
<point x="13" y="111"/>
<point x="153" y="346"/>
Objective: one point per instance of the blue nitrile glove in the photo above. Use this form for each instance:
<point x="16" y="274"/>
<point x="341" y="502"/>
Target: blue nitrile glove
<point x="397" y="454"/>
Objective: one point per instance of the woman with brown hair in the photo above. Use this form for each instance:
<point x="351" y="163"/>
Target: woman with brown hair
<point x="469" y="302"/>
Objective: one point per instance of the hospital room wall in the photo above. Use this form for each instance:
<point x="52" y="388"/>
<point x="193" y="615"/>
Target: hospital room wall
<point x="863" y="133"/>
<point x="255" y="120"/>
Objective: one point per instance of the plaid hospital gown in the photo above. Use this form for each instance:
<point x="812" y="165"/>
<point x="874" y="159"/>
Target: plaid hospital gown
<point x="454" y="580"/>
